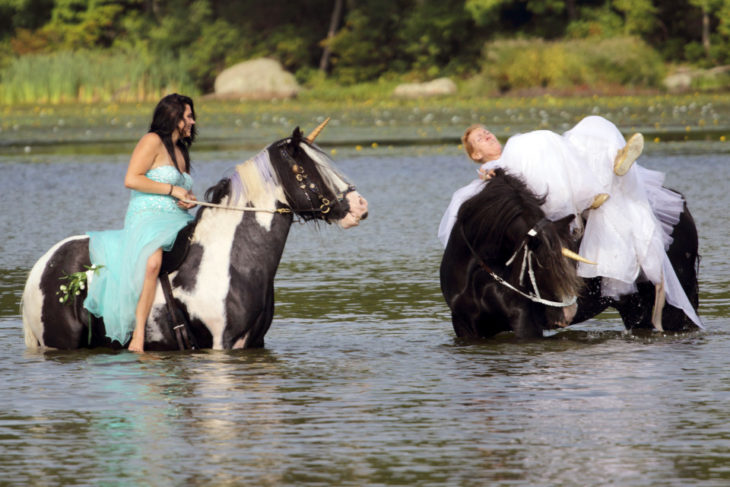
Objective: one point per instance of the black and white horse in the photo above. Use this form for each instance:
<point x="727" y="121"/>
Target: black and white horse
<point x="224" y="286"/>
<point x="503" y="268"/>
<point x="486" y="285"/>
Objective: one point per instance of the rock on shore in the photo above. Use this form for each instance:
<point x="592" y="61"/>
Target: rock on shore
<point x="258" y="79"/>
<point x="437" y="87"/>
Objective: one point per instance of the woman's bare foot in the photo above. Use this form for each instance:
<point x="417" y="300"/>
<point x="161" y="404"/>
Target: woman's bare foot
<point x="137" y="344"/>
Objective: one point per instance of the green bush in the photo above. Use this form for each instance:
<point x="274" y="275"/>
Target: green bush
<point x="529" y="63"/>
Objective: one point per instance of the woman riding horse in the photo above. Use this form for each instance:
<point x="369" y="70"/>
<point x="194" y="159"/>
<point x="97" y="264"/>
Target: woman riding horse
<point x="129" y="259"/>
<point x="223" y="288"/>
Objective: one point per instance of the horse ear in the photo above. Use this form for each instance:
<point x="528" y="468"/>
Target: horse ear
<point x="564" y="223"/>
<point x="296" y="135"/>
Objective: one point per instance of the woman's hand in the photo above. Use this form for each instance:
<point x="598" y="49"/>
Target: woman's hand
<point x="486" y="175"/>
<point x="180" y="194"/>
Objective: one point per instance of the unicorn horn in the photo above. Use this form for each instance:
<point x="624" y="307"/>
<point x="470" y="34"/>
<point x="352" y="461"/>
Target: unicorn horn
<point x="316" y="131"/>
<point x="572" y="255"/>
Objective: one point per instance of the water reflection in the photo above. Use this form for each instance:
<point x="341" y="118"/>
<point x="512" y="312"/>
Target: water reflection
<point x="362" y="381"/>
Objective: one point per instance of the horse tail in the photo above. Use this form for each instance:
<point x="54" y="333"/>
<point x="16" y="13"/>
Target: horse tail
<point x="31" y="342"/>
<point x="31" y="302"/>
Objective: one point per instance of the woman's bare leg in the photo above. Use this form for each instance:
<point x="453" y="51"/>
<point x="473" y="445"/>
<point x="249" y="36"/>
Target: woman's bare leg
<point x="146" y="298"/>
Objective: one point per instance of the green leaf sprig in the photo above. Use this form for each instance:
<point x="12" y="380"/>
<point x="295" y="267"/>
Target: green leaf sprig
<point x="76" y="283"/>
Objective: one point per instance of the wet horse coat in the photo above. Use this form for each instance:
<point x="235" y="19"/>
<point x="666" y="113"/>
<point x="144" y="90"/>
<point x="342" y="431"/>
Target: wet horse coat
<point x="496" y="231"/>
<point x="225" y="284"/>
<point x="636" y="308"/>
<point x="481" y="309"/>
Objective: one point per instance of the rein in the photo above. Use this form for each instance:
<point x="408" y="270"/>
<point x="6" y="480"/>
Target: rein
<point x="325" y="204"/>
<point x="237" y="208"/>
<point x="526" y="263"/>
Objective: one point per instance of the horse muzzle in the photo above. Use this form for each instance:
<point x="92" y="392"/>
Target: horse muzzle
<point x="358" y="210"/>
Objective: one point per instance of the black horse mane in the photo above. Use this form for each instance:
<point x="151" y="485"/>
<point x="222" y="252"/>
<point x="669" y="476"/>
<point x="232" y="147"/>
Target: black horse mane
<point x="218" y="191"/>
<point x="489" y="213"/>
<point x="486" y="217"/>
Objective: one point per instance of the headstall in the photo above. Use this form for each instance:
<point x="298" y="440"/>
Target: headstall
<point x="526" y="269"/>
<point x="308" y="187"/>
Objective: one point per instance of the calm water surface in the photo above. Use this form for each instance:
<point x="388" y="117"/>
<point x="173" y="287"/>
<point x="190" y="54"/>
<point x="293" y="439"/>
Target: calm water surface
<point x="362" y="381"/>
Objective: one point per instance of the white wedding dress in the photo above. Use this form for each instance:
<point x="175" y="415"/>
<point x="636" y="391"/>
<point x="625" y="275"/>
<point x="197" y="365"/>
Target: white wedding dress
<point x="628" y="234"/>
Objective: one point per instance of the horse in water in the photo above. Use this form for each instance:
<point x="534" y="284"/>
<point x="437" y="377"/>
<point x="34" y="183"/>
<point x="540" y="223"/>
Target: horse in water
<point x="636" y="308"/>
<point x="224" y="284"/>
<point x="504" y="268"/>
<point x="483" y="273"/>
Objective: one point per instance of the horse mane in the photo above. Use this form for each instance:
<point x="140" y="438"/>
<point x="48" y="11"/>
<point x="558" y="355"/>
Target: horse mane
<point x="486" y="217"/>
<point x="489" y="213"/>
<point x="248" y="181"/>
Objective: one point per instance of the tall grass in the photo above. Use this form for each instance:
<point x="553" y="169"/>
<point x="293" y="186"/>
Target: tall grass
<point x="90" y="76"/>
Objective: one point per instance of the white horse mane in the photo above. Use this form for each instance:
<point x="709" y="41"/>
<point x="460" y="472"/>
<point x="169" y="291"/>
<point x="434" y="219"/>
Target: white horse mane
<point x="332" y="178"/>
<point x="256" y="178"/>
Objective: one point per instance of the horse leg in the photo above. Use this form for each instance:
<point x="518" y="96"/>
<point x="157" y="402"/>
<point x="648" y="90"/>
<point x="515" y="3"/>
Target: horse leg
<point x="636" y="309"/>
<point x="590" y="303"/>
<point x="525" y="323"/>
<point x="683" y="254"/>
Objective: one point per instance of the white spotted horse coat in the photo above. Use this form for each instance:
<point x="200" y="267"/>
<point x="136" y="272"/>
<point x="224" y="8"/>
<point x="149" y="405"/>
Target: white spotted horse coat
<point x="225" y="284"/>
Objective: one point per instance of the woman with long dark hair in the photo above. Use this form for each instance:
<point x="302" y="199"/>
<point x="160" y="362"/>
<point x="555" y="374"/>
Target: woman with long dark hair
<point x="158" y="175"/>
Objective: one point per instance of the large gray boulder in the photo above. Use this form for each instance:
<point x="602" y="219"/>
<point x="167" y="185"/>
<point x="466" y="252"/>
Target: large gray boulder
<point x="256" y="79"/>
<point x="437" y="87"/>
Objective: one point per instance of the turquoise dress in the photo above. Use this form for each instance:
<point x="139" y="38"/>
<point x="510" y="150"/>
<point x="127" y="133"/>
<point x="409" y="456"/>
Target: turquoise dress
<point x="152" y="222"/>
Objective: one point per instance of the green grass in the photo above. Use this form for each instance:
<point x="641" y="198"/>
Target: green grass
<point x="89" y="77"/>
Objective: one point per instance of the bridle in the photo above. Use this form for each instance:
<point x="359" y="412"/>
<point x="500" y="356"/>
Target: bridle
<point x="527" y="268"/>
<point x="324" y="205"/>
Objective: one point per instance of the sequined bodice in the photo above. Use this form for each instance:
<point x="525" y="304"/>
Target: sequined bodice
<point x="139" y="201"/>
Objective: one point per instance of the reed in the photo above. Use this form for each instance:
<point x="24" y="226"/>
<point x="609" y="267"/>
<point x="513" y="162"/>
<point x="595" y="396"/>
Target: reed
<point x="91" y="76"/>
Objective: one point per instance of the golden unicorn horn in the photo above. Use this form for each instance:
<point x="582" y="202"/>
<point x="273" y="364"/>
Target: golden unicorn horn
<point x="572" y="255"/>
<point x="316" y="131"/>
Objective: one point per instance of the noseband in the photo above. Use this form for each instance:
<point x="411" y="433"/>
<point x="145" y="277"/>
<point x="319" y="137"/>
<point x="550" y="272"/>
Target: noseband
<point x="309" y="188"/>
<point x="526" y="268"/>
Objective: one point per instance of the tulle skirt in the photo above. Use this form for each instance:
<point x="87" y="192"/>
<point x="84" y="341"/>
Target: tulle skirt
<point x="631" y="231"/>
<point x="114" y="292"/>
<point x="460" y="196"/>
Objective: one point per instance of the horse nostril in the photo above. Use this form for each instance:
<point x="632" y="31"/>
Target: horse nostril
<point x="364" y="216"/>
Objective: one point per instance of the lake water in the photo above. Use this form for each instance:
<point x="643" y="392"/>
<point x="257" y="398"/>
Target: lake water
<point x="362" y="381"/>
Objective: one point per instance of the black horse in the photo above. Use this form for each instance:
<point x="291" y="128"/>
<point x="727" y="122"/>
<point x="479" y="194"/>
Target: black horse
<point x="224" y="286"/>
<point x="636" y="309"/>
<point x="503" y="267"/>
<point x="482" y="307"/>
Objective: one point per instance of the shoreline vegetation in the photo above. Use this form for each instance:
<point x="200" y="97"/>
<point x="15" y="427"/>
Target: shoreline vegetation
<point x="84" y="73"/>
<point x="55" y="52"/>
<point x="518" y="67"/>
<point x="364" y="122"/>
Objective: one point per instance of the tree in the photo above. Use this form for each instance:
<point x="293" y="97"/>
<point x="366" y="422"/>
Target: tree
<point x="708" y="7"/>
<point x="324" y="63"/>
